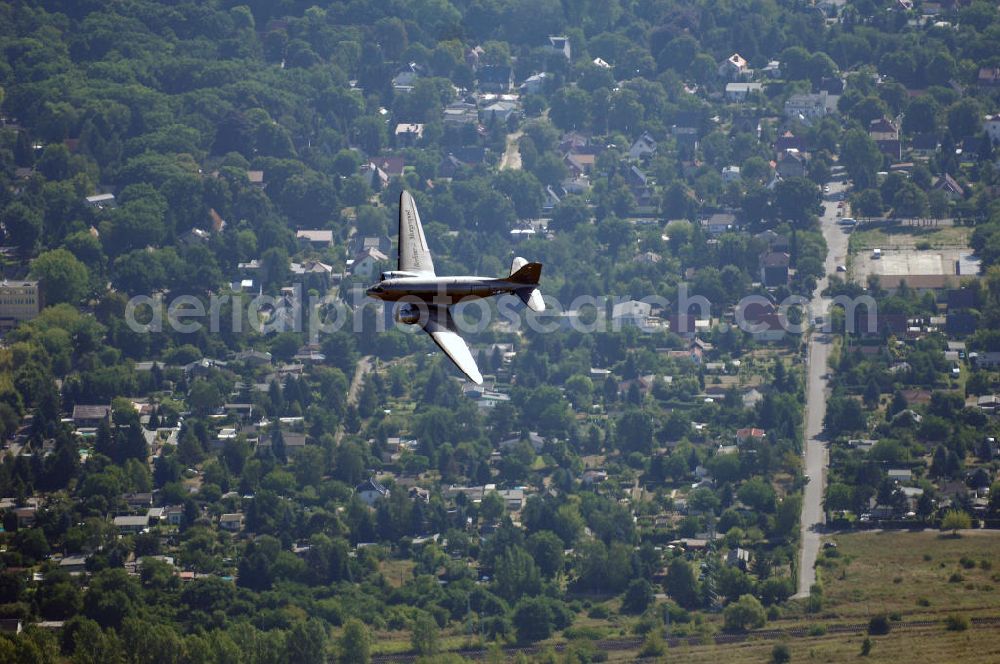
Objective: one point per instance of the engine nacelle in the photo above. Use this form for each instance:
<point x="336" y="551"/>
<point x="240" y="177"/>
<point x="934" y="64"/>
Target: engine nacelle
<point x="408" y="314"/>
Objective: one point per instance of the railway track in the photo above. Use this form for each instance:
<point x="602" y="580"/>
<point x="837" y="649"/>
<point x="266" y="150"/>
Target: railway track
<point x="634" y="643"/>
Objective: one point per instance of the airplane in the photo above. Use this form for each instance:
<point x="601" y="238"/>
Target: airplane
<point x="426" y="298"/>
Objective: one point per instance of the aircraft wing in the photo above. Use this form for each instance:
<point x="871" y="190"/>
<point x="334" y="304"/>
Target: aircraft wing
<point x="414" y="255"/>
<point x="441" y="327"/>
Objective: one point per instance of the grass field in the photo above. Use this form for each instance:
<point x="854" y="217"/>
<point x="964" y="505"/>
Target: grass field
<point x="915" y="578"/>
<point x="922" y="573"/>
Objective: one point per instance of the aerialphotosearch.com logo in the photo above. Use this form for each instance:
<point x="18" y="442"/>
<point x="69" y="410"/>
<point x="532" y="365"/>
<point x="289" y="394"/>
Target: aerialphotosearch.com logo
<point x="317" y="315"/>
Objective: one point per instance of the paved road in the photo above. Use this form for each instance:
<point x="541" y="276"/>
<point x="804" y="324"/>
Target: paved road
<point x="815" y="453"/>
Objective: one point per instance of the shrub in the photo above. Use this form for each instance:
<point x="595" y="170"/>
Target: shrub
<point x="745" y="613"/>
<point x="967" y="562"/>
<point x="957" y="623"/>
<point x="956" y="578"/>
<point x="780" y="654"/>
<point x="879" y="625"/>
<point x="598" y="612"/>
<point x="866" y="647"/>
<point x="923" y="601"/>
<point x="653" y="646"/>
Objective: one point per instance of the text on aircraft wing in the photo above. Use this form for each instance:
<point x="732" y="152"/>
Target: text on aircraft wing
<point x="441" y="327"/>
<point x="414" y="255"/>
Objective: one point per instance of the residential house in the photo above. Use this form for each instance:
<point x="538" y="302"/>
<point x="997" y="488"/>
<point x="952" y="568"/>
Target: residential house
<point x="991" y="126"/>
<point x="370" y="491"/>
<point x="256" y="179"/>
<point x="101" y="201"/>
<point x="580" y="164"/>
<point x="731" y="174"/>
<point x="559" y="45"/>
<point x="405" y="79"/>
<point x="73" y="564"/>
<point x="392" y="165"/>
<point x="316" y="238"/>
<point x="499" y="111"/>
<point x="642" y="147"/>
<point x="739" y="558"/>
<point x="741" y="91"/>
<point x="366" y="263"/>
<point x="534" y="84"/>
<point x="131" y="524"/>
<point x="85" y="416"/>
<point x="513" y="498"/>
<point x="408" y="134"/>
<point x="381" y="242"/>
<point x="792" y="164"/>
<point x="809" y="107"/>
<point x="19" y="301"/>
<point x="748" y="434"/>
<point x="772" y="69"/>
<point x="886" y="136"/>
<point x="495" y="78"/>
<point x="989" y="77"/>
<point x="733" y="68"/>
<point x="718" y="223"/>
<point x="774" y="269"/>
<point x="232" y="523"/>
<point x="949" y="186"/>
<point x="985" y="360"/>
<point x="632" y="313"/>
<point x="460" y="114"/>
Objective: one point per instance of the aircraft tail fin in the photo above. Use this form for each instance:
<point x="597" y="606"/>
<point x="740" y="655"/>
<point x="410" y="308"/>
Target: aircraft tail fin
<point x="523" y="272"/>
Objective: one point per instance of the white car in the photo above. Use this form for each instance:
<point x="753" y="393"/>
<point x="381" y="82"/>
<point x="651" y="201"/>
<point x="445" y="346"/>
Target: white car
<point x="841" y="268"/>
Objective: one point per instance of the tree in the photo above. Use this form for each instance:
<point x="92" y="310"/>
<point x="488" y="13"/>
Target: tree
<point x="23" y="225"/>
<point x="861" y="158"/>
<point x="354" y="645"/>
<point x="955" y="520"/>
<point x="797" y="200"/>
<point x="638" y="597"/>
<point x="62" y="276"/>
<point x="745" y="613"/>
<point x="682" y="585"/>
<point x="569" y="108"/>
<point x="516" y="575"/>
<point x="306" y="642"/>
<point x="424" y="634"/>
<point x="533" y="619"/>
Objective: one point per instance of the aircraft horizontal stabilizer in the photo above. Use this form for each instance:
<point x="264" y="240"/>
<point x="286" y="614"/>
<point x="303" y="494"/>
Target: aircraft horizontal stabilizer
<point x="533" y="298"/>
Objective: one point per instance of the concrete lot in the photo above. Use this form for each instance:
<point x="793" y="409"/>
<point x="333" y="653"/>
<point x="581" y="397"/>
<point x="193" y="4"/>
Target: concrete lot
<point x="909" y="262"/>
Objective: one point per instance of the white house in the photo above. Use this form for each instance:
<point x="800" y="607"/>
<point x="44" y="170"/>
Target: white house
<point x="631" y="313"/>
<point x="809" y="107"/>
<point x="734" y="67"/>
<point x="366" y="262"/>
